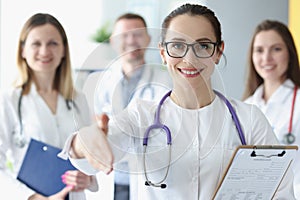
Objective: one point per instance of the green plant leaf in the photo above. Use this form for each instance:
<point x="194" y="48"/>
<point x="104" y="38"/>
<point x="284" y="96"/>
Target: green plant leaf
<point x="102" y="34"/>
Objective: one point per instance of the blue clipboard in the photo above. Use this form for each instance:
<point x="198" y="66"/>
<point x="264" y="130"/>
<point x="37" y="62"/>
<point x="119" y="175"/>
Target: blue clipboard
<point x="42" y="169"/>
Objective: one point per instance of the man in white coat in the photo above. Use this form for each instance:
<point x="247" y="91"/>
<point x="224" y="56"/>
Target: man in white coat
<point x="128" y="77"/>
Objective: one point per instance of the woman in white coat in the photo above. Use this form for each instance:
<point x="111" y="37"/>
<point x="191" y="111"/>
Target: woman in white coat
<point x="273" y="82"/>
<point x="203" y="133"/>
<point x="42" y="105"/>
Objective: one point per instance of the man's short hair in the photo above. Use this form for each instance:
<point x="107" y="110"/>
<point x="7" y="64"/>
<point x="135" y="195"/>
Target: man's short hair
<point x="131" y="16"/>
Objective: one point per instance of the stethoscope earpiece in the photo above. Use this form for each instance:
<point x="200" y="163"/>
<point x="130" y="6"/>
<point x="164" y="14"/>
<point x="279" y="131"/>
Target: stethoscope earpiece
<point x="162" y="186"/>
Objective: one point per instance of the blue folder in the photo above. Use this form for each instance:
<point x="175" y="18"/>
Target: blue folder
<point x="42" y="169"/>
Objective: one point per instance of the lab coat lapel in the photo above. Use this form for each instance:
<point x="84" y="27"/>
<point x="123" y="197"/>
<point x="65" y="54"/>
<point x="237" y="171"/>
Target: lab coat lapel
<point x="282" y="93"/>
<point x="31" y="120"/>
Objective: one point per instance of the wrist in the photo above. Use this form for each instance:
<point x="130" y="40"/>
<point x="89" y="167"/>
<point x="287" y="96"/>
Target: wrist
<point x="75" y="151"/>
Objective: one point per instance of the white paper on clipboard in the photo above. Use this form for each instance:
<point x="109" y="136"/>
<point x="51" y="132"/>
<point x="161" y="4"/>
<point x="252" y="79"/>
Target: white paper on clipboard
<point x="255" y="172"/>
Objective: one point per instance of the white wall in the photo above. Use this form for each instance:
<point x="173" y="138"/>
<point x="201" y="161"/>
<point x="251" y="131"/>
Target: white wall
<point x="81" y="18"/>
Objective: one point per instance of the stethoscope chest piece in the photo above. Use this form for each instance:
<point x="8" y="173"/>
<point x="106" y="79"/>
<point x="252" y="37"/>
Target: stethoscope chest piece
<point x="19" y="140"/>
<point x="289" y="138"/>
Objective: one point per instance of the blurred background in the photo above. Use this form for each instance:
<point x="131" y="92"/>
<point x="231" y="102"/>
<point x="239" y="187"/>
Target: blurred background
<point x="82" y="19"/>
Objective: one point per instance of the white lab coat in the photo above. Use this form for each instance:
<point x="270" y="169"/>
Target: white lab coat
<point x="38" y="123"/>
<point x="203" y="141"/>
<point x="153" y="84"/>
<point x="278" y="111"/>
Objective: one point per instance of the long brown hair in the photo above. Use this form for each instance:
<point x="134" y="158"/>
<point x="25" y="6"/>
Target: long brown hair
<point x="253" y="79"/>
<point x="63" y="82"/>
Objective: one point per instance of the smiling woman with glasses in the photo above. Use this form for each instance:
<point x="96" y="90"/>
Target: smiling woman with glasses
<point x="179" y="147"/>
<point x="200" y="49"/>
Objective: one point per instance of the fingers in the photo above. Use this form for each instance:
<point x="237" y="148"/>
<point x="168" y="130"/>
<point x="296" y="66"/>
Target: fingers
<point x="102" y="121"/>
<point x="75" y="178"/>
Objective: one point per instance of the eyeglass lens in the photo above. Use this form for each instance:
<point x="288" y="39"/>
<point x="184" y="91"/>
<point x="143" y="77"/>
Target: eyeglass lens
<point x="200" y="49"/>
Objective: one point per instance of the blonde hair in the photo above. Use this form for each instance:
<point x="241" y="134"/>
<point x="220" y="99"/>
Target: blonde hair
<point x="63" y="82"/>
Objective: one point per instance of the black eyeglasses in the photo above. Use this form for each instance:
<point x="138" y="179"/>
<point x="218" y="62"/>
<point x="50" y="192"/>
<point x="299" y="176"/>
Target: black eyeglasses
<point x="200" y="49"/>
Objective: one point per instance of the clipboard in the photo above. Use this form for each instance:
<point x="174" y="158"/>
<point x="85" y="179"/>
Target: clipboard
<point x="255" y="171"/>
<point x="41" y="168"/>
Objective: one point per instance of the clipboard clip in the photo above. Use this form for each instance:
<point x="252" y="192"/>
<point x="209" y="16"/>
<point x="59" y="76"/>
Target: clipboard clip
<point x="253" y="154"/>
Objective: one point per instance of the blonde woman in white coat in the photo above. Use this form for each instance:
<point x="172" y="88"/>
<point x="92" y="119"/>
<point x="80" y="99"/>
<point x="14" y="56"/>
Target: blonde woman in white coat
<point x="273" y="83"/>
<point x="203" y="133"/>
<point x="43" y="105"/>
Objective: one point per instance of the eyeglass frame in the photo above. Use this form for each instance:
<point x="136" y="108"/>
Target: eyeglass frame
<point x="188" y="47"/>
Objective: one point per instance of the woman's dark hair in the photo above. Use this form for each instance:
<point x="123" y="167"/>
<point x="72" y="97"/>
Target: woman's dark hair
<point x="193" y="10"/>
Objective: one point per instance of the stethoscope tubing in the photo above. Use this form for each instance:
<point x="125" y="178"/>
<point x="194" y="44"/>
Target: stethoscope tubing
<point x="292" y="110"/>
<point x="159" y="183"/>
<point x="158" y="125"/>
<point x="234" y="117"/>
<point x="20" y="113"/>
<point x="147" y="87"/>
<point x="290" y="138"/>
<point x="20" y="138"/>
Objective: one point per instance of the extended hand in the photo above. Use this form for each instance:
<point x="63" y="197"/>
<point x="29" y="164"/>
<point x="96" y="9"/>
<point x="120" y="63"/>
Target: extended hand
<point x="91" y="143"/>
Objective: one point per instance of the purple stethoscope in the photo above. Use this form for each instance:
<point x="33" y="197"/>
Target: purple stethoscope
<point x="158" y="125"/>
